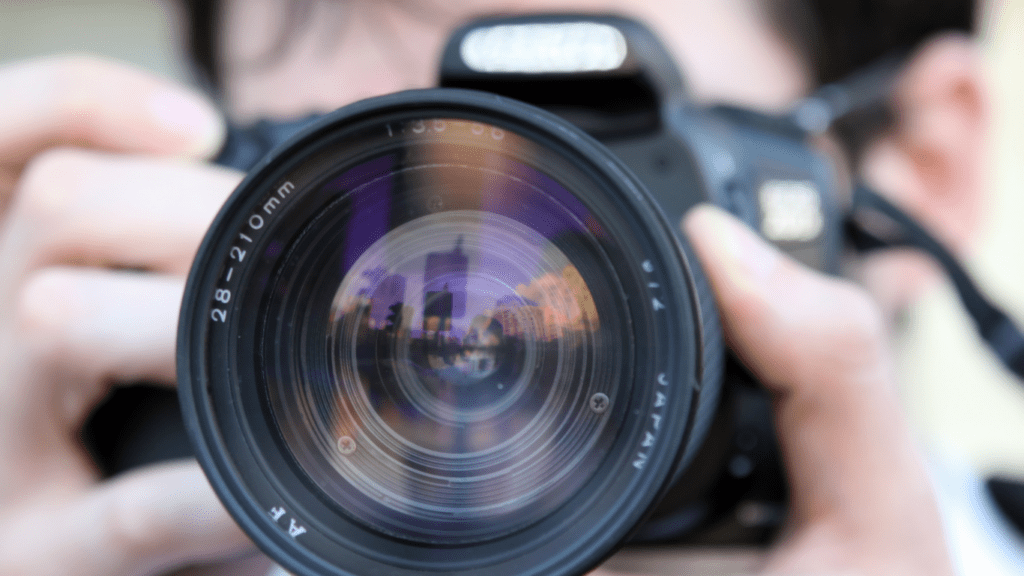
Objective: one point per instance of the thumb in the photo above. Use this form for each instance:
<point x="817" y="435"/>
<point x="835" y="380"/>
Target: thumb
<point x="793" y="326"/>
<point x="819" y="344"/>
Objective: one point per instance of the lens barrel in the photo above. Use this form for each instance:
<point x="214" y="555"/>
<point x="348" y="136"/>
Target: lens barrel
<point x="443" y="332"/>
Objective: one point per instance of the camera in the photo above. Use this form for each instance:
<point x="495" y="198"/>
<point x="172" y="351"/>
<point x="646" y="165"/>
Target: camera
<point x="458" y="331"/>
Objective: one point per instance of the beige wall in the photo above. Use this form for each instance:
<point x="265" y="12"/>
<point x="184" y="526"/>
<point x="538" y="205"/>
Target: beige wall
<point x="136" y="31"/>
<point x="959" y="397"/>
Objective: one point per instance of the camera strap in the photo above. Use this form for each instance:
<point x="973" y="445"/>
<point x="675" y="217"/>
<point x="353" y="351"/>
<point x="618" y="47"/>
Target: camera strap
<point x="875" y="223"/>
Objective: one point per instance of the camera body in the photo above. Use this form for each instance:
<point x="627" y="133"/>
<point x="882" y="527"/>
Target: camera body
<point x="730" y="487"/>
<point x="555" y="385"/>
<point x="760" y="168"/>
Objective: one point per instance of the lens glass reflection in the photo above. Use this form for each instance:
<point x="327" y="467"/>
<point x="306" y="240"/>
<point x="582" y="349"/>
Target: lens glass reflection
<point x="442" y="344"/>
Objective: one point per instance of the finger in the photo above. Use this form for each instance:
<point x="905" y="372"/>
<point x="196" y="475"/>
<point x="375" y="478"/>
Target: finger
<point x="87" y="101"/>
<point x="167" y="516"/>
<point x="84" y="329"/>
<point x="78" y="332"/>
<point x="794" y="326"/>
<point x="146" y="522"/>
<point x="812" y="340"/>
<point x="86" y="207"/>
<point x="820" y="346"/>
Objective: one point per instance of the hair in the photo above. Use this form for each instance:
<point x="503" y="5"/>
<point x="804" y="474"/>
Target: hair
<point x="838" y="37"/>
<point x="202" y="19"/>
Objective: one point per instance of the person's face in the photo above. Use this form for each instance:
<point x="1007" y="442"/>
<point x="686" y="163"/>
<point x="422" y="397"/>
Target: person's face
<point x="282" y="62"/>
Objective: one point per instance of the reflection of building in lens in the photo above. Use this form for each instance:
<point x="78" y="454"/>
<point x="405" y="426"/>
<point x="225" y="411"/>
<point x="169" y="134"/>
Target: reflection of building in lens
<point x="437" y="310"/>
<point x="361" y="312"/>
<point x="518" y="317"/>
<point x="580" y="292"/>
<point x="562" y="301"/>
<point x="444" y="286"/>
<point x="399" y="318"/>
<point x="387" y="294"/>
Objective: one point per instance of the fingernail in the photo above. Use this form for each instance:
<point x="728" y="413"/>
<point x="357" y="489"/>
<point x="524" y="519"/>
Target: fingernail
<point x="188" y="113"/>
<point x="724" y="241"/>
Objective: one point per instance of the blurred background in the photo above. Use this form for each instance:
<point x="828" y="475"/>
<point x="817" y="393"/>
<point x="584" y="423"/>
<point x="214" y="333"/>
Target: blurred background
<point x="966" y="408"/>
<point x="961" y="400"/>
<point x="139" y="31"/>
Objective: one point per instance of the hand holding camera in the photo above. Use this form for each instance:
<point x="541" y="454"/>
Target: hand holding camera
<point x="105" y="197"/>
<point x="860" y="495"/>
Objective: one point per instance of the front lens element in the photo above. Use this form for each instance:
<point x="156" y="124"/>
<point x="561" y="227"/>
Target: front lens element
<point x="436" y="342"/>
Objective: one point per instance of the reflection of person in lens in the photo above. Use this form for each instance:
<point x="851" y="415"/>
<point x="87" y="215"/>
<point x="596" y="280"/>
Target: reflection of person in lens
<point x="105" y="192"/>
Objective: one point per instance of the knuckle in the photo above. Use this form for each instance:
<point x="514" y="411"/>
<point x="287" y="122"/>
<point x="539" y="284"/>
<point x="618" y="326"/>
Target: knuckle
<point x="129" y="528"/>
<point x="45" y="309"/>
<point x="819" y="331"/>
<point x="749" y="308"/>
<point x="854" y="342"/>
<point x="861" y="325"/>
<point x="50" y="186"/>
<point x="124" y="527"/>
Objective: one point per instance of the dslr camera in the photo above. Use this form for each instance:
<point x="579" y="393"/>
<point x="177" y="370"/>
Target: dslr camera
<point x="458" y="330"/>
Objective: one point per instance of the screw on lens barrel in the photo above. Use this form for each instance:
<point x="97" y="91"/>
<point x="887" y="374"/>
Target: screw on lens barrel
<point x="599" y="403"/>
<point x="346" y="445"/>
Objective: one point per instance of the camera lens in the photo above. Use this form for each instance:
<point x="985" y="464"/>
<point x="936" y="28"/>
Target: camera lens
<point x="440" y="333"/>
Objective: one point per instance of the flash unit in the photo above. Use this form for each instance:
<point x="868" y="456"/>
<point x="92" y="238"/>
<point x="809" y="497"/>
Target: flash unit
<point x="544" y="48"/>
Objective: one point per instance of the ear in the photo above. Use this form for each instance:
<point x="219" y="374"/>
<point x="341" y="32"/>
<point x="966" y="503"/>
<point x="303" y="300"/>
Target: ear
<point x="932" y="162"/>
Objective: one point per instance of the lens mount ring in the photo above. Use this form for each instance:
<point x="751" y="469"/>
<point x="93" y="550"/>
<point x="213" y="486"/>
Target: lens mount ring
<point x="249" y="347"/>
